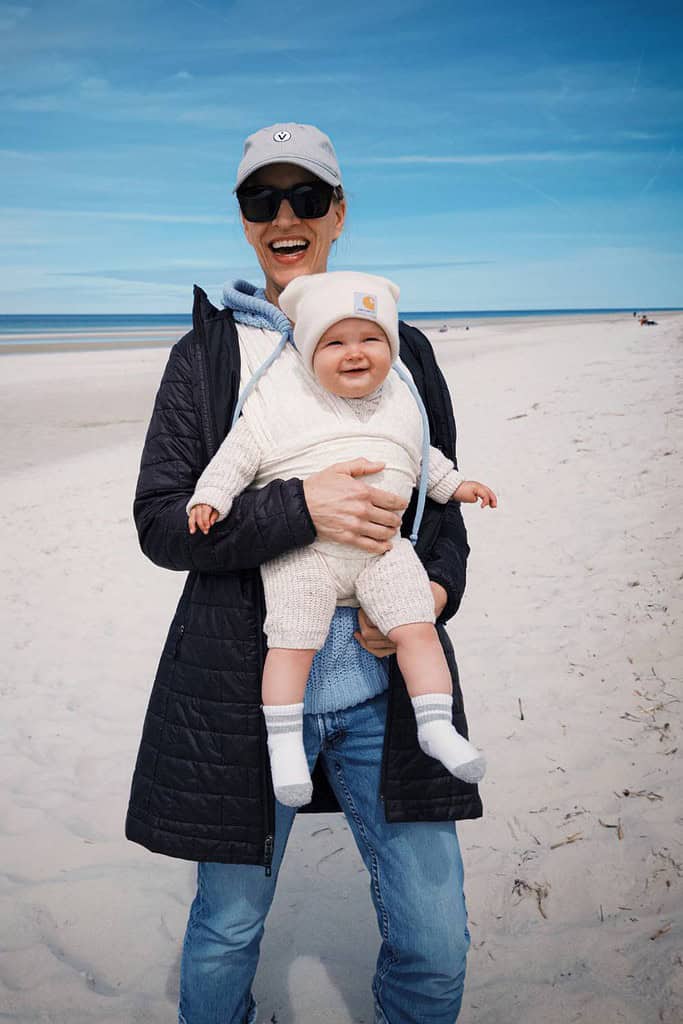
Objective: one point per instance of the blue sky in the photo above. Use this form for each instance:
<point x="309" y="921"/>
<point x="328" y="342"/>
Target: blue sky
<point x="495" y="155"/>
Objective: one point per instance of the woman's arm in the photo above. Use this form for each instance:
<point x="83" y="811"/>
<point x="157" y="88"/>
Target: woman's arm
<point x="446" y="561"/>
<point x="261" y="525"/>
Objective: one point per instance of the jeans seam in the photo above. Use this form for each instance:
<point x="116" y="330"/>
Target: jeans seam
<point x="393" y="958"/>
<point x="194" y="910"/>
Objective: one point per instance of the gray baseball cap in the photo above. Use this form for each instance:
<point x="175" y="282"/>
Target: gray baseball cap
<point x="300" y="144"/>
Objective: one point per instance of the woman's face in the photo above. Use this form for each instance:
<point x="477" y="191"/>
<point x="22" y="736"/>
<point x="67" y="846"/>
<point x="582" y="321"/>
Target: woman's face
<point x="317" y="235"/>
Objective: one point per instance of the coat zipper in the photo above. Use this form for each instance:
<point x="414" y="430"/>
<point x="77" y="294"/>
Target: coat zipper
<point x="269" y="841"/>
<point x="268" y="854"/>
<point x="179" y="637"/>
<point x="204" y="394"/>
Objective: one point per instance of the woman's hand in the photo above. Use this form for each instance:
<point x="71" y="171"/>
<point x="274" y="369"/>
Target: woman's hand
<point x="369" y="637"/>
<point x="349" y="510"/>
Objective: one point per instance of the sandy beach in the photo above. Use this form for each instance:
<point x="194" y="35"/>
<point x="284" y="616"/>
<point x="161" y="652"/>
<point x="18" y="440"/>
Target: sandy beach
<point x="569" y="648"/>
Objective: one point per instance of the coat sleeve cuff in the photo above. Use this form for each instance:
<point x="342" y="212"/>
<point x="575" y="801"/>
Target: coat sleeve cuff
<point x="298" y="516"/>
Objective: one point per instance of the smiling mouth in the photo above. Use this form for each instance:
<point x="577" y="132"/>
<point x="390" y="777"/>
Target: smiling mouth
<point x="288" y="247"/>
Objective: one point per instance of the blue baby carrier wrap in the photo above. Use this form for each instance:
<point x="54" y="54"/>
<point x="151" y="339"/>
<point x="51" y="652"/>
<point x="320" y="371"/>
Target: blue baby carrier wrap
<point x="250" y="306"/>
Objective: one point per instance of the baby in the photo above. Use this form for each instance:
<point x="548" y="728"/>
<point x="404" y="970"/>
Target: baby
<point x="346" y="332"/>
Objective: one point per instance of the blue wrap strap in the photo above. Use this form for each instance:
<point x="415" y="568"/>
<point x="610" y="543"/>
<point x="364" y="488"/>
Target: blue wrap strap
<point x="250" y="306"/>
<point x="424" y="465"/>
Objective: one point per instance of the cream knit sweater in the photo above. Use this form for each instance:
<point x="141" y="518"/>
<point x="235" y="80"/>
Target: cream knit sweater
<point x="291" y="427"/>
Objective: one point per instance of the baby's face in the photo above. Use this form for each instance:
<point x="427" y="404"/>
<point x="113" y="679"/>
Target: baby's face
<point x="352" y="358"/>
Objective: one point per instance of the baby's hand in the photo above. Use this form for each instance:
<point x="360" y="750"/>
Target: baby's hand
<point x="470" y="490"/>
<point x="202" y="516"/>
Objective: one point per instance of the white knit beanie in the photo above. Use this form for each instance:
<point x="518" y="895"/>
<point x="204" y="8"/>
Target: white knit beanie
<point x="313" y="302"/>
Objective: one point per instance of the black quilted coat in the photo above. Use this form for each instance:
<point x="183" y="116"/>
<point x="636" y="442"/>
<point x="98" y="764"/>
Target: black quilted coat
<point x="201" y="788"/>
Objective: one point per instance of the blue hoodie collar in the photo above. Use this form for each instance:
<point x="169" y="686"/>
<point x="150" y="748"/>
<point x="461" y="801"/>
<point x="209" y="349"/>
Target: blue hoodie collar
<point x="250" y="306"/>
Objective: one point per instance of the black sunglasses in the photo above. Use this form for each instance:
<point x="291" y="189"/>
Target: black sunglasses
<point x="309" y="200"/>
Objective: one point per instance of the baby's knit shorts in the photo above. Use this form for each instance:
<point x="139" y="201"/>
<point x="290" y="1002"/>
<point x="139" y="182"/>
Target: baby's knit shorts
<point x="303" y="587"/>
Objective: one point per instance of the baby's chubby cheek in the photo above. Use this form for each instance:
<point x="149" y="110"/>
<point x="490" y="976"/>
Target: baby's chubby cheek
<point x="323" y="374"/>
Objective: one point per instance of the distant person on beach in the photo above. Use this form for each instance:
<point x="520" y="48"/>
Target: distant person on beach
<point x="645" y="321"/>
<point x="346" y="332"/>
<point x="202" y="787"/>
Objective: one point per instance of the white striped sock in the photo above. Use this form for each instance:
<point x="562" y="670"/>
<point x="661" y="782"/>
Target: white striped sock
<point x="288" y="763"/>
<point x="438" y="737"/>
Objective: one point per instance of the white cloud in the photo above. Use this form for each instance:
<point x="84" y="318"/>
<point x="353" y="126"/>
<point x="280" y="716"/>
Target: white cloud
<point x="638" y="136"/>
<point x="46" y="104"/>
<point x="135" y="215"/>
<point x="17" y="154"/>
<point x="547" y="156"/>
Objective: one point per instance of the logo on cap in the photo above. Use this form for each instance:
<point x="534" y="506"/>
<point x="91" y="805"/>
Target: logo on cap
<point x="364" y="303"/>
<point x="282" y="136"/>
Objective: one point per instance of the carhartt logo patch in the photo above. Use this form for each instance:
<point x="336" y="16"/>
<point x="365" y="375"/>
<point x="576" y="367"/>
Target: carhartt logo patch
<point x="282" y="136"/>
<point x="365" y="304"/>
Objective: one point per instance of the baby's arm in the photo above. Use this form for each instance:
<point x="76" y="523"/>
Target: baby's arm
<point x="445" y="483"/>
<point x="444" y="478"/>
<point x="232" y="468"/>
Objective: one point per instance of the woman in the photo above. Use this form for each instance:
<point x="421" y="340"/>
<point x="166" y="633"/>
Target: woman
<point x="201" y="788"/>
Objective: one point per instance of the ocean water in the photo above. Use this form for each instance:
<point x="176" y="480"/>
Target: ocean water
<point x="139" y="328"/>
<point x="84" y="321"/>
<point x="92" y="330"/>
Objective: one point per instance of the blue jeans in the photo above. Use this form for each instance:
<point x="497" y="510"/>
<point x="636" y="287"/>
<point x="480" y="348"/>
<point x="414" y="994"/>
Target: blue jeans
<point x="416" y="885"/>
